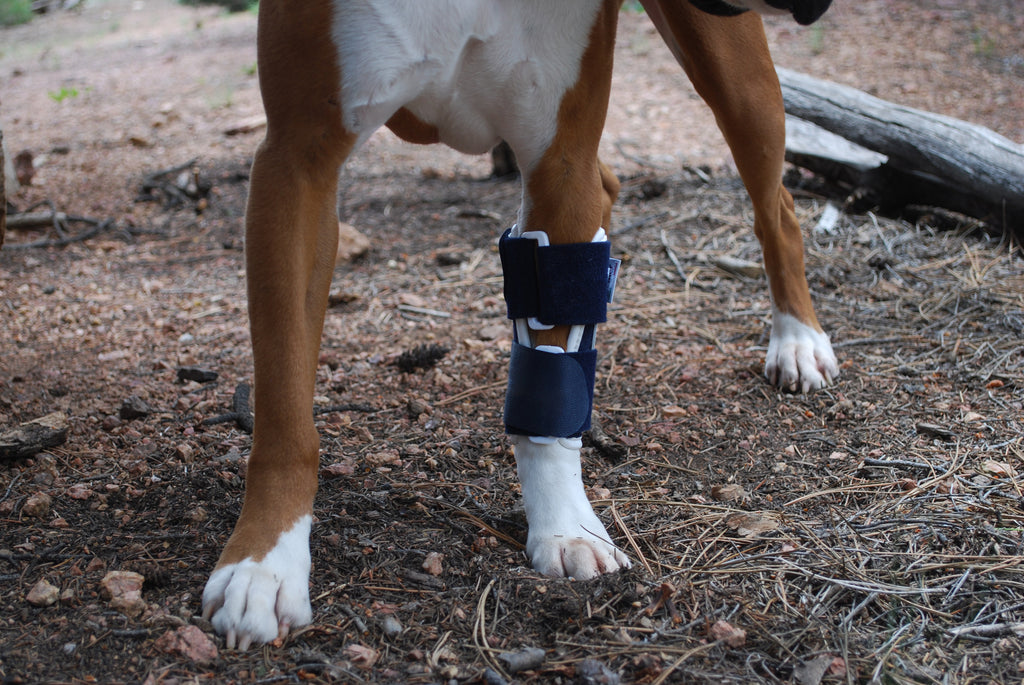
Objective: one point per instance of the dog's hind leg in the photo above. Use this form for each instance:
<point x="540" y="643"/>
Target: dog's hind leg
<point x="727" y="60"/>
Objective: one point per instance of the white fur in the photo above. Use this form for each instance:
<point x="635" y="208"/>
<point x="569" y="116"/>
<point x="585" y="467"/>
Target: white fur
<point x="258" y="601"/>
<point x="479" y="70"/>
<point x="799" y="357"/>
<point x="565" y="536"/>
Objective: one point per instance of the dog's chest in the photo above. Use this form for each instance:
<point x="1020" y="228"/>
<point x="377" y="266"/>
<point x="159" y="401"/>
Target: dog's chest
<point x="478" y="70"/>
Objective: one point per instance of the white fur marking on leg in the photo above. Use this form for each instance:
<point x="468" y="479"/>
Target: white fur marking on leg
<point x="565" y="536"/>
<point x="257" y="601"/>
<point x="799" y="357"/>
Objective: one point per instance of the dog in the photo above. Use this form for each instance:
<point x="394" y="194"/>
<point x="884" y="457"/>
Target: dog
<point x="469" y="73"/>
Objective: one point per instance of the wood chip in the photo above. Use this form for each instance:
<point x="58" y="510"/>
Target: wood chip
<point x="34" y="436"/>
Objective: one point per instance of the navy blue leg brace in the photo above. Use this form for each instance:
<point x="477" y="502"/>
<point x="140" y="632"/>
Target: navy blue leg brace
<point x="550" y="394"/>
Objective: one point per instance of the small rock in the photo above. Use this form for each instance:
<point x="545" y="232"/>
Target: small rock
<point x="79" y="491"/>
<point x="37" y="506"/>
<point x="728" y="633"/>
<point x="492" y="677"/>
<point x="524" y="660"/>
<point x="432" y="564"/>
<point x="351" y="243"/>
<point x="134" y="408"/>
<point x="120" y="583"/>
<point x="493" y="332"/>
<point x="593" y="672"/>
<point x="43" y="594"/>
<point x="417" y="406"/>
<point x="188" y="642"/>
<point x="390" y="625"/>
<point x="124" y="591"/>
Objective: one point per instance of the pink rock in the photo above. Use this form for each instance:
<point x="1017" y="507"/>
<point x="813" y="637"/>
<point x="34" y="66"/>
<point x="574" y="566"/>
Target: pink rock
<point x="189" y="642"/>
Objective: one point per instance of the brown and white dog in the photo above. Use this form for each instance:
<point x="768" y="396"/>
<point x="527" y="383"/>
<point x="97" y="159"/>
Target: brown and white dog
<point x="469" y="73"/>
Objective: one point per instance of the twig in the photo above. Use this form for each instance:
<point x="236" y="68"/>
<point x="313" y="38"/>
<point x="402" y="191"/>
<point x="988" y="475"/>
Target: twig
<point x="480" y="631"/>
<point x="239" y="413"/>
<point x="672" y="257"/>
<point x="348" y="406"/>
<point x="637" y="223"/>
<point x="360" y="625"/>
<point x="423" y="310"/>
<point x="870" y="461"/>
<point x="469" y="393"/>
<point x="98" y="226"/>
<point x="663" y="676"/>
<point x="629" y="538"/>
<point x="605" y="445"/>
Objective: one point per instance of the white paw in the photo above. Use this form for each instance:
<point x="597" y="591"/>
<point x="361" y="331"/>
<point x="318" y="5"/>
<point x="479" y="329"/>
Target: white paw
<point x="251" y="602"/>
<point x="799" y="357"/>
<point x="565" y="538"/>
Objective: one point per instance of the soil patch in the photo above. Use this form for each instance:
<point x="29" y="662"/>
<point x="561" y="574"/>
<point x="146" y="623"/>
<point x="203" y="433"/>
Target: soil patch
<point x="871" y="532"/>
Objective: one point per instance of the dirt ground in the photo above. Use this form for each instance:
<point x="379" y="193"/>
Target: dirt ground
<point x="871" y="532"/>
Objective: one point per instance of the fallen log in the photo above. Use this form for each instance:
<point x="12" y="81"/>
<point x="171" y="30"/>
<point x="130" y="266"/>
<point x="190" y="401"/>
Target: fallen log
<point x="921" y="158"/>
<point x="3" y="189"/>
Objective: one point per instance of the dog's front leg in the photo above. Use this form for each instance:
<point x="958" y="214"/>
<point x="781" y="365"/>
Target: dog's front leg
<point x="556" y="265"/>
<point x="260" y="586"/>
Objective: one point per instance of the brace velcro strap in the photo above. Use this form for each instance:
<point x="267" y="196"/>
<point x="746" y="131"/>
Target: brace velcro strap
<point x="565" y="284"/>
<point x="549" y="394"/>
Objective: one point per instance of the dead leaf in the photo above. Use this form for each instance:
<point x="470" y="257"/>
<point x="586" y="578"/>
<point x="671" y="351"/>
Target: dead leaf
<point x="728" y="493"/>
<point x="362" y="656"/>
<point x="674" y="411"/>
<point x="811" y="672"/>
<point x="749" y="525"/>
<point x="247" y="125"/>
<point x="340" y="468"/>
<point x="999" y="469"/>
<point x="412" y="299"/>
